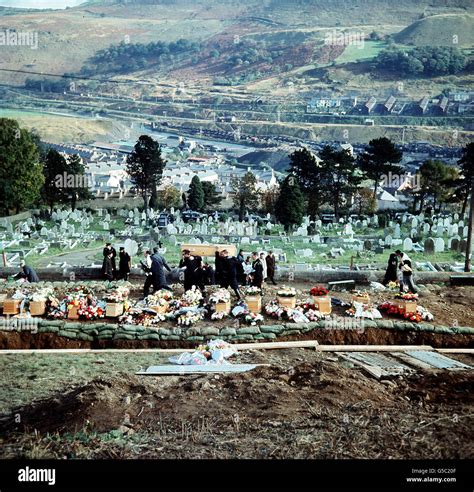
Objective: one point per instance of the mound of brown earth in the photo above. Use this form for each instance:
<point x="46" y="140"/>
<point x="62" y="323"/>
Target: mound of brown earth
<point x="303" y="405"/>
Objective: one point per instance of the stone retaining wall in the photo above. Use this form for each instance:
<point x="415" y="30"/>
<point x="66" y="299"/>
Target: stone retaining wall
<point x="112" y="331"/>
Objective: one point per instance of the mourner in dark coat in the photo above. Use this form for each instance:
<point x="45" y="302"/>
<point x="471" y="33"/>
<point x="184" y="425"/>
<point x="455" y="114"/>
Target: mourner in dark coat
<point x="124" y="264"/>
<point x="158" y="265"/>
<point x="108" y="267"/>
<point x="191" y="264"/>
<point x="257" y="271"/>
<point x="27" y="272"/>
<point x="229" y="265"/>
<point x="391" y="274"/>
<point x="271" y="262"/>
<point x="407" y="273"/>
<point x="109" y="249"/>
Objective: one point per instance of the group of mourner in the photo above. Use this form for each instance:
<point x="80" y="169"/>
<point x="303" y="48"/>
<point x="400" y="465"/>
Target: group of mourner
<point x="228" y="271"/>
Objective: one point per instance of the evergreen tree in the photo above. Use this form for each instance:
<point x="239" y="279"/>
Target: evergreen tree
<point x="380" y="159"/>
<point x="80" y="189"/>
<point x="464" y="185"/>
<point x="145" y="167"/>
<point x="211" y="198"/>
<point x="21" y="173"/>
<point x="196" y="195"/>
<point x="245" y="194"/>
<point x="55" y="172"/>
<point x="307" y="170"/>
<point x="341" y="177"/>
<point x="290" y="207"/>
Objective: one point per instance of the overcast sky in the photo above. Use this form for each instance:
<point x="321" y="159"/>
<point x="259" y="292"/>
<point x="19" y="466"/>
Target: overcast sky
<point x="41" y="4"/>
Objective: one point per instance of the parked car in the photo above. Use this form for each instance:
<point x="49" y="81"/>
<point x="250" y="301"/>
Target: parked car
<point x="191" y="216"/>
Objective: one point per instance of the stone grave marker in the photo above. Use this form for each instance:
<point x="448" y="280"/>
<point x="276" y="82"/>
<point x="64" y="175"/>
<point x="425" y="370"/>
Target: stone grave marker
<point x="439" y="245"/>
<point x="407" y="244"/>
<point x="454" y="246"/>
<point x="429" y="246"/>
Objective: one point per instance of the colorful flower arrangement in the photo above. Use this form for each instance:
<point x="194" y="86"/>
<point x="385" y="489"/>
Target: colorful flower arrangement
<point x="159" y="296"/>
<point x="253" y="291"/>
<point x="311" y="311"/>
<point x="274" y="310"/>
<point x="189" y="318"/>
<point x="218" y="316"/>
<point x="41" y="295"/>
<point x="220" y="295"/>
<point x="253" y="319"/>
<point x="421" y="314"/>
<point x="406" y="296"/>
<point x="90" y="312"/>
<point x="117" y="295"/>
<point x="139" y="317"/>
<point x="424" y="313"/>
<point x="286" y="292"/>
<point x="226" y="349"/>
<point x="319" y="291"/>
<point x="360" y="310"/>
<point x="360" y="293"/>
<point x="192" y="297"/>
<point x="393" y="285"/>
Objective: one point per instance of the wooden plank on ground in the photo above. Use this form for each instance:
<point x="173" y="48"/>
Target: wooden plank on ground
<point x="239" y="346"/>
<point x="276" y="345"/>
<point x="371" y="348"/>
<point x="179" y="370"/>
<point x="456" y="351"/>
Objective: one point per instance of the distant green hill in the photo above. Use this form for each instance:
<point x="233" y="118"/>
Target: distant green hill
<point x="440" y="30"/>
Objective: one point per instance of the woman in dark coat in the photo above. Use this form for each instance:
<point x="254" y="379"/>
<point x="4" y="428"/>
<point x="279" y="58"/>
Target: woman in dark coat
<point x="108" y="268"/>
<point x="391" y="274"/>
<point x="257" y="271"/>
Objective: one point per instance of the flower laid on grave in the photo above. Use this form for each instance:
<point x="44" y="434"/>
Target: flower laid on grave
<point x="319" y="291"/>
<point x="136" y="316"/>
<point x="219" y="315"/>
<point x="424" y="313"/>
<point x="286" y="291"/>
<point x="407" y="296"/>
<point x="90" y="312"/>
<point x="159" y="296"/>
<point x="41" y="295"/>
<point x="220" y="295"/>
<point x="191" y="297"/>
<point x="361" y="310"/>
<point x="189" y="318"/>
<point x="311" y="311"/>
<point x="393" y="286"/>
<point x="274" y="310"/>
<point x="253" y="319"/>
<point x="218" y="350"/>
<point x="118" y="295"/>
<point x="253" y="291"/>
<point x="394" y="309"/>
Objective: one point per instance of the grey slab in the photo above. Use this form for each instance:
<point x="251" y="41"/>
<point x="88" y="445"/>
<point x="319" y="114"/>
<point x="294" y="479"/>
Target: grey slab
<point x="437" y="360"/>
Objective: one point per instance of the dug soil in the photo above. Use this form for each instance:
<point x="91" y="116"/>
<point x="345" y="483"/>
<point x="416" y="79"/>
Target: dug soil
<point x="367" y="336"/>
<point x="303" y="404"/>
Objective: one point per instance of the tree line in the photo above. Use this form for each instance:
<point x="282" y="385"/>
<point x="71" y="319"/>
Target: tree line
<point x="33" y="175"/>
<point x="427" y="61"/>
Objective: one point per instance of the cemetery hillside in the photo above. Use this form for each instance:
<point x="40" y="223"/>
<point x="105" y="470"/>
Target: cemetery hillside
<point x="237" y="230"/>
